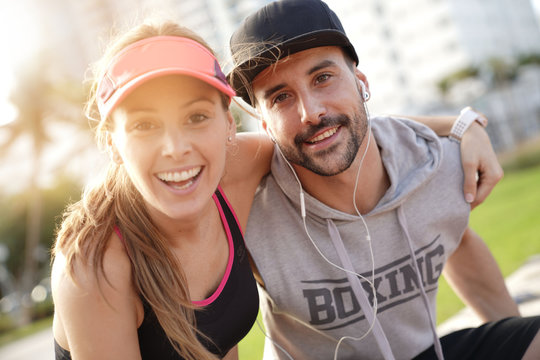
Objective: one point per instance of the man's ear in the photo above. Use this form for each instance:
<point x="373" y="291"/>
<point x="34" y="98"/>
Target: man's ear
<point x="362" y="78"/>
<point x="114" y="154"/>
<point x="268" y="131"/>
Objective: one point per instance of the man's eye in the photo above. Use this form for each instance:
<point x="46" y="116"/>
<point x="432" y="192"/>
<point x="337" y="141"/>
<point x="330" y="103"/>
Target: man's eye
<point x="322" y="78"/>
<point x="280" y="98"/>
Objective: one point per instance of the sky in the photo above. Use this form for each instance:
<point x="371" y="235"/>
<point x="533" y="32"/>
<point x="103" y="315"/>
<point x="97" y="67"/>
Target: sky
<point x="20" y="41"/>
<point x="18" y="37"/>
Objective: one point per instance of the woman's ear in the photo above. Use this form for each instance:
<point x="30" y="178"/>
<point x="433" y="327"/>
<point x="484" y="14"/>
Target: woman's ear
<point x="113" y="151"/>
<point x="231" y="128"/>
<point x="231" y="144"/>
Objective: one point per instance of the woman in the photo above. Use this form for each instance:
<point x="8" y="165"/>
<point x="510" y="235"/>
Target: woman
<point x="151" y="262"/>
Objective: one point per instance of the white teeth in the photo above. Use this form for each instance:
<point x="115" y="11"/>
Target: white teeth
<point x="324" y="135"/>
<point x="178" y="176"/>
<point x="182" y="187"/>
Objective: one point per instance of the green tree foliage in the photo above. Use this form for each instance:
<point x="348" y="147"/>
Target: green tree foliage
<point x="13" y="212"/>
<point x="448" y="81"/>
<point x="529" y="59"/>
<point x="500" y="72"/>
<point x="42" y="97"/>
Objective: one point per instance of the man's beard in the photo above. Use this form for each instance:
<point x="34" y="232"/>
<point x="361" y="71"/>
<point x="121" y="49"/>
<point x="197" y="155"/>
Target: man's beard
<point x="319" y="163"/>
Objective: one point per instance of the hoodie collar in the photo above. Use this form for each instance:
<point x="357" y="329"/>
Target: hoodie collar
<point x="411" y="154"/>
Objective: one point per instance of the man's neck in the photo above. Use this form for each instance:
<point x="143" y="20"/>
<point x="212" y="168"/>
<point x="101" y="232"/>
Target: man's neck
<point x="337" y="191"/>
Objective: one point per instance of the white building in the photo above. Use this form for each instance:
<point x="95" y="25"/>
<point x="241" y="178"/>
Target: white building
<point x="412" y="44"/>
<point x="406" y="48"/>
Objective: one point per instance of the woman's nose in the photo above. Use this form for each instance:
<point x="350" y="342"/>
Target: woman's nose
<point x="175" y="144"/>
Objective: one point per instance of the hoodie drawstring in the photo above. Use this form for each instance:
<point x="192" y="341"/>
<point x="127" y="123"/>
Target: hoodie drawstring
<point x="403" y="223"/>
<point x="359" y="292"/>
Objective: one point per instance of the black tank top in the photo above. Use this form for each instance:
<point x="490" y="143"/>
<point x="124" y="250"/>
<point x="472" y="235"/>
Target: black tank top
<point x="225" y="317"/>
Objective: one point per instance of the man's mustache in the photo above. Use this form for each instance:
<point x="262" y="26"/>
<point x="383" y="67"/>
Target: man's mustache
<point x="326" y="121"/>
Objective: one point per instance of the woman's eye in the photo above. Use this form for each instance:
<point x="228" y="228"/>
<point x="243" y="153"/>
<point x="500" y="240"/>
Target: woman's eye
<point x="144" y="125"/>
<point x="197" y="118"/>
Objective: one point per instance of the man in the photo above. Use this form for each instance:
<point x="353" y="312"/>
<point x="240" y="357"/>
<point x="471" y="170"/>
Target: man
<point x="351" y="232"/>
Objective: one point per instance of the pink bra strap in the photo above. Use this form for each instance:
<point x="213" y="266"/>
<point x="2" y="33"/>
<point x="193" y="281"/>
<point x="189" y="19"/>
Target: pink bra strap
<point x="119" y="234"/>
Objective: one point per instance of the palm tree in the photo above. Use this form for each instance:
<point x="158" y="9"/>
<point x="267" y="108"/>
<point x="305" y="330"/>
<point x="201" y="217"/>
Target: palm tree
<point x="38" y="100"/>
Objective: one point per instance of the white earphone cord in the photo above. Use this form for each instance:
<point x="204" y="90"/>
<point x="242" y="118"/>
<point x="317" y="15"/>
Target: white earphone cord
<point x="368" y="238"/>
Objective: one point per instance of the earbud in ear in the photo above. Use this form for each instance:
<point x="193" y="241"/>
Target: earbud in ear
<point x="269" y="132"/>
<point x="365" y="93"/>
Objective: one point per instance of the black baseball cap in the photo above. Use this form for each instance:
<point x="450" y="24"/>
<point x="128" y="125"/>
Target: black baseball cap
<point x="277" y="30"/>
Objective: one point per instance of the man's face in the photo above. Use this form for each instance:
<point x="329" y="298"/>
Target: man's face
<point x="312" y="105"/>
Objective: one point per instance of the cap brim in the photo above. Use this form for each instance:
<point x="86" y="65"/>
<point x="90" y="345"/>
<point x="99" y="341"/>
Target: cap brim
<point x="303" y="42"/>
<point x="121" y="93"/>
<point x="154" y="57"/>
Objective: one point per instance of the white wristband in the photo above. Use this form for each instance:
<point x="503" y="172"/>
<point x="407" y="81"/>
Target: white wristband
<point x="466" y="117"/>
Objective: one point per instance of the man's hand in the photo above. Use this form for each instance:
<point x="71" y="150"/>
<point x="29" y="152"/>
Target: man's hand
<point x="480" y="165"/>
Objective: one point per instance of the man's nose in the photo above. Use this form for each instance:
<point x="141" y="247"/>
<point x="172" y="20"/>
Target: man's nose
<point x="311" y="109"/>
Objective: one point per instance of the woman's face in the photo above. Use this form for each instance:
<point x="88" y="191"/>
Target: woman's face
<point x="171" y="134"/>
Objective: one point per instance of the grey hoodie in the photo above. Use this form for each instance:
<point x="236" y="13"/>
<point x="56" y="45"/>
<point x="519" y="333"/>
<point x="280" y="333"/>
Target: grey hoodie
<point x="308" y="305"/>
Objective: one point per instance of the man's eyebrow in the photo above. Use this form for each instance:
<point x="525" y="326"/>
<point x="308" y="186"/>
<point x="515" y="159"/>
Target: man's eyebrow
<point x="268" y="93"/>
<point x="323" y="64"/>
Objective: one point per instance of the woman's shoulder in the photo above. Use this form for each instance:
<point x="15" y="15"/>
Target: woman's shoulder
<point x="80" y="274"/>
<point x="95" y="305"/>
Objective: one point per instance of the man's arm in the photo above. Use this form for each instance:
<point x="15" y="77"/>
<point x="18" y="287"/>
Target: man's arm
<point x="480" y="165"/>
<point x="474" y="275"/>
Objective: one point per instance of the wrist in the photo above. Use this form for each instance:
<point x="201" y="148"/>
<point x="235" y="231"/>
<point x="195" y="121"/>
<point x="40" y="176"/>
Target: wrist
<point x="466" y="118"/>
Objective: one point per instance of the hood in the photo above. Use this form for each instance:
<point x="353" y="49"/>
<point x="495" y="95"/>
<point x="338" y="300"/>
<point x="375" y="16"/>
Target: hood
<point x="411" y="154"/>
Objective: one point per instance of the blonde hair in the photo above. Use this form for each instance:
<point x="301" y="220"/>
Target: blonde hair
<point x="114" y="201"/>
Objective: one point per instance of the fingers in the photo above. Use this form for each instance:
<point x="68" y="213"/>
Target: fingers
<point x="470" y="170"/>
<point x="481" y="167"/>
<point x="486" y="182"/>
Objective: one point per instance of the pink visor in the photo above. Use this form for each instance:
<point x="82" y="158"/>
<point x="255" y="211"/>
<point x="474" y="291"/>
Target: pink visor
<point x="154" y="57"/>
